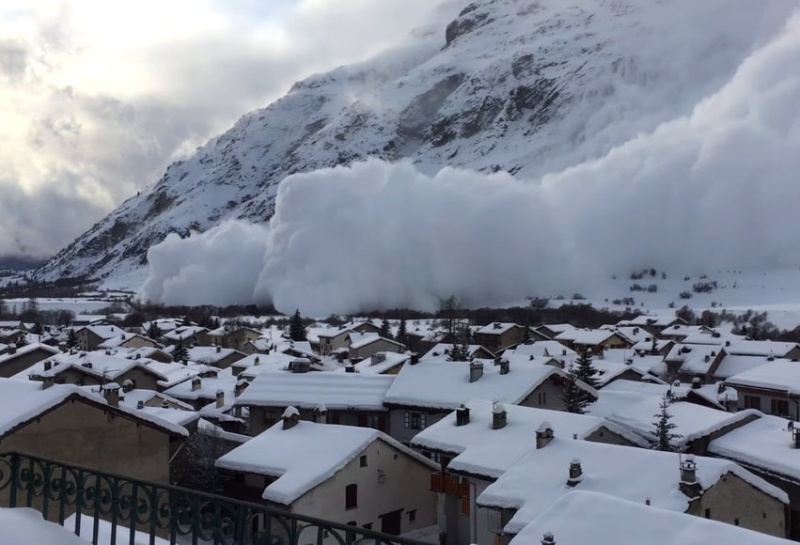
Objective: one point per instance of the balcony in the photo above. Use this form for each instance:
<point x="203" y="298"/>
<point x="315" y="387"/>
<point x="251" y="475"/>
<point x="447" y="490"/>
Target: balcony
<point x="132" y="507"/>
<point x="449" y="484"/>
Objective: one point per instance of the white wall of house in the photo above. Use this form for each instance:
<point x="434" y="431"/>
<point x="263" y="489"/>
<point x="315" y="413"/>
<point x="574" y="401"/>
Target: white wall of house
<point x="405" y="487"/>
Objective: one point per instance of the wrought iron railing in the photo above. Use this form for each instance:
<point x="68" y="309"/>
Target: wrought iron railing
<point x="120" y="505"/>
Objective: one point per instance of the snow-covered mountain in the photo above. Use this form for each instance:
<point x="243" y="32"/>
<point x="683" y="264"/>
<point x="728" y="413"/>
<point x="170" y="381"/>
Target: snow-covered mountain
<point x="524" y="86"/>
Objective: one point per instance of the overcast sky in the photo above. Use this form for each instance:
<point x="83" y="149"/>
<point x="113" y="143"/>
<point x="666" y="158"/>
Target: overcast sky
<point x="98" y="97"/>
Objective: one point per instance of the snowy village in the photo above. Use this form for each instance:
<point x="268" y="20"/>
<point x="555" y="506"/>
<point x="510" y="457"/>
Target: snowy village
<point x="430" y="430"/>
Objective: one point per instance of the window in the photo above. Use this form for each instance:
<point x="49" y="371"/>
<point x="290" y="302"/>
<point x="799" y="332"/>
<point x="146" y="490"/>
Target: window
<point x="708" y="513"/>
<point x="351" y="496"/>
<point x="780" y="407"/>
<point x="363" y="460"/>
<point x="542" y="398"/>
<point x="414" y="420"/>
<point x="736" y="522"/>
<point x="752" y="402"/>
<point x="412" y="515"/>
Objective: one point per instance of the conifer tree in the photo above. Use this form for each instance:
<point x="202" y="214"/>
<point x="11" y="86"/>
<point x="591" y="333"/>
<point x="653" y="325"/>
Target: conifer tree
<point x="297" y="331"/>
<point x="585" y="369"/>
<point x="459" y="351"/>
<point x="663" y="425"/>
<point x="154" y="332"/>
<point x="72" y="339"/>
<point x="572" y="395"/>
<point x="385" y="330"/>
<point x="3" y="309"/>
<point x="402" y="334"/>
<point x="180" y="353"/>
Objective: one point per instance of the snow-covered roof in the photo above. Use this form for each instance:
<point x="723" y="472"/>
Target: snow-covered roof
<point x="695" y="358"/>
<point x="589" y="337"/>
<point x="27" y="349"/>
<point x="496" y="328"/>
<point x="691" y="421"/>
<point x="211" y="355"/>
<point x="538" y="349"/>
<point x="117" y="340"/>
<point x="103" y="331"/>
<point x="482" y="450"/>
<point x="765" y="443"/>
<point x="255" y="364"/>
<point x="379" y="363"/>
<point x="21" y="401"/>
<point x="760" y="348"/>
<point x="304" y="456"/>
<point x="733" y="365"/>
<point x="661" y="320"/>
<point x="539" y="479"/>
<point x="340" y="391"/>
<point x="207" y="390"/>
<point x="184" y="332"/>
<point x="175" y="373"/>
<point x="778" y="375"/>
<point x="600" y="519"/>
<point x="446" y="385"/>
<point x="440" y="351"/>
<point x="97" y="363"/>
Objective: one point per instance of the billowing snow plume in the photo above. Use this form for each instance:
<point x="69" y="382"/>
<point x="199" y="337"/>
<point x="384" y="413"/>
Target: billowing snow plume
<point x="716" y="189"/>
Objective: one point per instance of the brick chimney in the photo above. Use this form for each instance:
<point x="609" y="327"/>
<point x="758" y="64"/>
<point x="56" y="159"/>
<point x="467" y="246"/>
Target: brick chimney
<point x="475" y="371"/>
<point x="499" y="416"/>
<point x="196" y="383"/>
<point x="575" y="473"/>
<point x="544" y="434"/>
<point x="290" y="418"/>
<point x="688" y="484"/>
<point x="462" y="415"/>
<point x="220" y="399"/>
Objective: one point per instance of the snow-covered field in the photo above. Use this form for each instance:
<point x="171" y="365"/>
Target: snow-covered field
<point x="78" y="305"/>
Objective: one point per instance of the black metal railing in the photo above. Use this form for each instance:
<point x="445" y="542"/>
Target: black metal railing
<point x="117" y="505"/>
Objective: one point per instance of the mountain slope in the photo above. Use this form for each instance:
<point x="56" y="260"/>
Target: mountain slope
<point x="523" y="86"/>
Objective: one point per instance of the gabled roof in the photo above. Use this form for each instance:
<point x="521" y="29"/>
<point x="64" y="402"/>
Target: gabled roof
<point x="28" y="349"/>
<point x="23" y="401"/>
<point x="446" y="385"/>
<point x="539" y="479"/>
<point x="117" y="340"/>
<point x="695" y="359"/>
<point x="339" y="391"/>
<point x="760" y="348"/>
<point x="497" y="328"/>
<point x="691" y="421"/>
<point x="304" y="456"/>
<point x="589" y="337"/>
<point x="600" y="519"/>
<point x="440" y="351"/>
<point x="778" y="375"/>
<point x="538" y="349"/>
<point x="766" y="443"/>
<point x="481" y="450"/>
<point x="208" y="388"/>
<point x="212" y="354"/>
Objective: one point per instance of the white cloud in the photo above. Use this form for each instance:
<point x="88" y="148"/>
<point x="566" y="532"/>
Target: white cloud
<point x="716" y="189"/>
<point x="97" y="97"/>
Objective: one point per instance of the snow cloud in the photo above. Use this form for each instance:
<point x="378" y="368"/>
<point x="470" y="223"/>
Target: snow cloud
<point x="716" y="189"/>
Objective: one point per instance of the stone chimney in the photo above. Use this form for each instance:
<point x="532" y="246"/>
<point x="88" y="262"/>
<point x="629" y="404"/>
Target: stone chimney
<point x="196" y="382"/>
<point x="499" y="416"/>
<point x="220" y="399"/>
<point x="140" y="404"/>
<point x="475" y="371"/>
<point x="505" y="366"/>
<point x="544" y="434"/>
<point x="688" y="484"/>
<point x="47" y="382"/>
<point x="696" y="383"/>
<point x="548" y="539"/>
<point x="321" y="414"/>
<point x="219" y="349"/>
<point x="48" y="365"/>
<point x="290" y="417"/>
<point x="111" y="393"/>
<point x="575" y="473"/>
<point x="257" y="361"/>
<point x="12" y="349"/>
<point x="377" y="358"/>
<point x="414" y="358"/>
<point x="795" y="435"/>
<point x="462" y="415"/>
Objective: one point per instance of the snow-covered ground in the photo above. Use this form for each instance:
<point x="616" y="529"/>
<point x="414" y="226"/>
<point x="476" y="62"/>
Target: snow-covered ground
<point x="78" y="305"/>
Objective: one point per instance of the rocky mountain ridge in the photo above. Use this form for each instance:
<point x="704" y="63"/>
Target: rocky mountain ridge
<point x="524" y="86"/>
